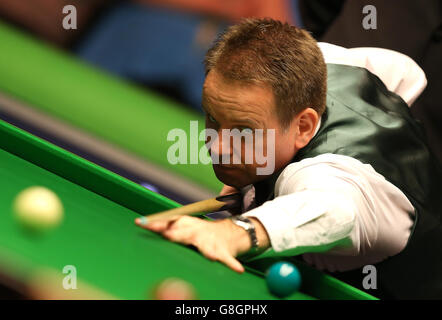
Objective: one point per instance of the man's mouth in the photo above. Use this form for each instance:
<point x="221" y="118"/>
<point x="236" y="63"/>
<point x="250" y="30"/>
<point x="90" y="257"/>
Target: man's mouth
<point x="227" y="166"/>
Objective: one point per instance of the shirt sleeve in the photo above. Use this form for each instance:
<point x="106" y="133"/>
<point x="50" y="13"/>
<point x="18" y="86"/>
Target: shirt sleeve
<point x="398" y="72"/>
<point x="336" y="205"/>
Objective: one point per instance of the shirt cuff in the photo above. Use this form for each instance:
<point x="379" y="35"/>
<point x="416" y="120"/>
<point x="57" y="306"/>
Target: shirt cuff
<point x="281" y="216"/>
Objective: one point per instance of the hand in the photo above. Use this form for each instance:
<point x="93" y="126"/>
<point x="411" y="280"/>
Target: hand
<point x="228" y="190"/>
<point x="220" y="240"/>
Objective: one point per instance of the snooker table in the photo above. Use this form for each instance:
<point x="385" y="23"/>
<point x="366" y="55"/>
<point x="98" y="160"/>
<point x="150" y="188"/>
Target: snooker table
<point x="60" y="98"/>
<point x="113" y="257"/>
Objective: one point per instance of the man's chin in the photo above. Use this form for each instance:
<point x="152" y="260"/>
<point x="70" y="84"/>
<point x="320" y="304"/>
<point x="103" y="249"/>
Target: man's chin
<point x="231" y="176"/>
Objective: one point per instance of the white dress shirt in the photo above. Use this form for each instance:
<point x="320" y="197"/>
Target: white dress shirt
<point x="398" y="72"/>
<point x="339" y="213"/>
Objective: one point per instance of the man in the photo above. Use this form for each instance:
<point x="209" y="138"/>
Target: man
<point x="354" y="183"/>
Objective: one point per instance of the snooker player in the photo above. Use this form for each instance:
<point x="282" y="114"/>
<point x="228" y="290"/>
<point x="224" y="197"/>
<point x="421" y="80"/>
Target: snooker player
<point x="354" y="182"/>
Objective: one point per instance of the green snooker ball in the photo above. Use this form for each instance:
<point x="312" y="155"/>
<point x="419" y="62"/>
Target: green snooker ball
<point x="283" y="279"/>
<point x="38" y="209"/>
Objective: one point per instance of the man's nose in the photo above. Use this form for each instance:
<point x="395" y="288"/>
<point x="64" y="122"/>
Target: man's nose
<point x="221" y="147"/>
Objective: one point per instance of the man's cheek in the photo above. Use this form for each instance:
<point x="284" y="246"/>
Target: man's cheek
<point x="265" y="146"/>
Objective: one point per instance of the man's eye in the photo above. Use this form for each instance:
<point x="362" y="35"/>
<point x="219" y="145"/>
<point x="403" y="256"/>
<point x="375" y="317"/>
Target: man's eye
<point x="246" y="130"/>
<point x="211" y="118"/>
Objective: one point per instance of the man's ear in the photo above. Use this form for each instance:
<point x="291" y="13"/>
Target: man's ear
<point x="306" y="122"/>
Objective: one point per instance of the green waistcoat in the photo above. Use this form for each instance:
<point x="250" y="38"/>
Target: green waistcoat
<point x="365" y="121"/>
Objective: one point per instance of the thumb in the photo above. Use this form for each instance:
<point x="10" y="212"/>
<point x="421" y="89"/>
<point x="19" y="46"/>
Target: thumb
<point x="228" y="190"/>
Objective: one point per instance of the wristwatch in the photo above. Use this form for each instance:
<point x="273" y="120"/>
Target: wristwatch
<point x="247" y="225"/>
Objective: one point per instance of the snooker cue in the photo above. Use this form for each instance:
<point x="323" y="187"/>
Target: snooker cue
<point x="227" y="202"/>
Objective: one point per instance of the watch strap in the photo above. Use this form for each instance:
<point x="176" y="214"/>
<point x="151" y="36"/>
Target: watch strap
<point x="249" y="227"/>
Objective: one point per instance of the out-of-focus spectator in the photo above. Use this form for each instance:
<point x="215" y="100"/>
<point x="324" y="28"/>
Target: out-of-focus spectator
<point x="162" y="43"/>
<point x="157" y="43"/>
<point x="44" y="17"/>
<point x="232" y="10"/>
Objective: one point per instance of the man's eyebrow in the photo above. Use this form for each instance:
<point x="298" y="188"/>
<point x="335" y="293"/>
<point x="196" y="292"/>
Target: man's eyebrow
<point x="253" y="123"/>
<point x="249" y="121"/>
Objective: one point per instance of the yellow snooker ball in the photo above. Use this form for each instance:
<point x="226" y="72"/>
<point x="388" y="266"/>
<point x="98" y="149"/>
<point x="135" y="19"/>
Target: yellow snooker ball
<point x="38" y="208"/>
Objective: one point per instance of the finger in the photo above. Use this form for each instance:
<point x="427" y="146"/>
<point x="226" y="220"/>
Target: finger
<point x="157" y="225"/>
<point x="181" y="235"/>
<point x="232" y="263"/>
<point x="209" y="254"/>
<point x="222" y="256"/>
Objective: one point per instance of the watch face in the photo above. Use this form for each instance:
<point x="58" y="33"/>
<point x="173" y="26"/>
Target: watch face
<point x="244" y="221"/>
<point x="246" y="225"/>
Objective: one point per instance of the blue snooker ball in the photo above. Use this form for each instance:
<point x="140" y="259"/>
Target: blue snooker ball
<point x="283" y="279"/>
